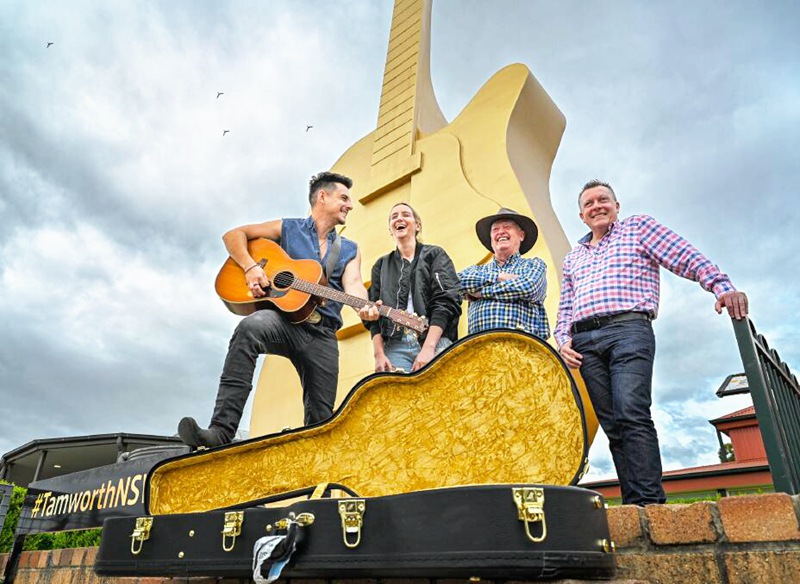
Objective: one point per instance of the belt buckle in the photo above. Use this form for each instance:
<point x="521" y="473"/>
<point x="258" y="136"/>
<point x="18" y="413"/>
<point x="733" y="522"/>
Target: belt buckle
<point x="314" y="318"/>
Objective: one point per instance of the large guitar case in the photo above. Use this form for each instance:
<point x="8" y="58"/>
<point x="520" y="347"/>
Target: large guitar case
<point x="498" y="407"/>
<point x="521" y="532"/>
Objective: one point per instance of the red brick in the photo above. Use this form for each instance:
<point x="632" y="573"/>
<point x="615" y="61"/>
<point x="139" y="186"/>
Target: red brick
<point x="24" y="560"/>
<point x="77" y="556"/>
<point x="625" y="526"/>
<point x="681" y="524"/>
<point x="61" y="576"/>
<point x="769" y="567"/>
<point x="28" y="577"/>
<point x="42" y="560"/>
<point x="670" y="568"/>
<point x="66" y="557"/>
<point x="759" y="518"/>
<point x="91" y="554"/>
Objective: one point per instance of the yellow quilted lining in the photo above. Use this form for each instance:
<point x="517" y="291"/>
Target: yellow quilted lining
<point x="496" y="408"/>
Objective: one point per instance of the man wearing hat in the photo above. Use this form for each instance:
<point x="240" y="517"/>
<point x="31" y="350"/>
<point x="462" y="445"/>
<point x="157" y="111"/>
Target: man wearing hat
<point x="509" y="290"/>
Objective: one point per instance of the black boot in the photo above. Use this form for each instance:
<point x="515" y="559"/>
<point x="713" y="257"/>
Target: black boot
<point x="195" y="436"/>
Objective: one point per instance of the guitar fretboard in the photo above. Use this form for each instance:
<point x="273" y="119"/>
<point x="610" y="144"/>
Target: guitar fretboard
<point x="396" y="315"/>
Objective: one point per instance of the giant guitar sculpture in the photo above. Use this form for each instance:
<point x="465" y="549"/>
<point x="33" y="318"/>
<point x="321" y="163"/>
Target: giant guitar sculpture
<point x="499" y="407"/>
<point x="497" y="152"/>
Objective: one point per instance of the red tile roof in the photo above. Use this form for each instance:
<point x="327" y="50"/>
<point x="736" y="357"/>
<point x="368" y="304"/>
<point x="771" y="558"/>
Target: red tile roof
<point x="749" y="411"/>
<point x="728" y="466"/>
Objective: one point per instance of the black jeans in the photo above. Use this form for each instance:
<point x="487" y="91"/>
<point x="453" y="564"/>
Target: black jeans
<point x="312" y="349"/>
<point x="618" y="371"/>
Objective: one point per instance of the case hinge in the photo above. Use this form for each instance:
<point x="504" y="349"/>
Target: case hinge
<point x="141" y="533"/>
<point x="530" y="509"/>
<point x="232" y="528"/>
<point x="352" y="513"/>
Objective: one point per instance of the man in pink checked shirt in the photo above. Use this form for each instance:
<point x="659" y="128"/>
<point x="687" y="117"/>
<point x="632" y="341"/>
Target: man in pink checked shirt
<point x="609" y="295"/>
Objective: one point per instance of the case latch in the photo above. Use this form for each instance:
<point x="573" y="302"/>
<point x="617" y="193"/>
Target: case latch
<point x="530" y="509"/>
<point x="232" y="528"/>
<point x="352" y="513"/>
<point x="141" y="533"/>
<point x="303" y="519"/>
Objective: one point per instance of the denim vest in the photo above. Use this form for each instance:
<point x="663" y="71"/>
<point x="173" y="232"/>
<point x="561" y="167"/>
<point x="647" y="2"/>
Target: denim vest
<point x="299" y="240"/>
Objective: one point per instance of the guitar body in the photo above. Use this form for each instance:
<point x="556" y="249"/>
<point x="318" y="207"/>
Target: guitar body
<point x="498" y="407"/>
<point x="231" y="285"/>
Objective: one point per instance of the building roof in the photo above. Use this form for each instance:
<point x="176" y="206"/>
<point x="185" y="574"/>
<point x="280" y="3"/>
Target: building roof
<point x="711" y="470"/>
<point x="748" y="412"/>
<point x="53" y="457"/>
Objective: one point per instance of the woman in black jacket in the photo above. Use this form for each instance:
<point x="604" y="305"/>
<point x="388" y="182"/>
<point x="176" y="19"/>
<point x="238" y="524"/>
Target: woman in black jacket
<point x="418" y="278"/>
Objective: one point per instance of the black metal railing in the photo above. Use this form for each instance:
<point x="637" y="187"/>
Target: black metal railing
<point x="776" y="398"/>
<point x="5" y="502"/>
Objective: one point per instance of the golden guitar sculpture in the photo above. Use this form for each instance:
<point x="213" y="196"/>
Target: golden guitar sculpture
<point x="297" y="288"/>
<point x="498" y="407"/>
<point x="497" y="152"/>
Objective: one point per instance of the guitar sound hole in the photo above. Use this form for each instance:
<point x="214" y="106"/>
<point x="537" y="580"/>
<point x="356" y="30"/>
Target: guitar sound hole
<point x="283" y="280"/>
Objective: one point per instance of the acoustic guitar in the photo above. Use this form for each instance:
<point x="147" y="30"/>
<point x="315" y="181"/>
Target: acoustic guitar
<point x="296" y="288"/>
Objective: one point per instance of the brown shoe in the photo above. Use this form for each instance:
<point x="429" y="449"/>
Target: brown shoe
<point x="195" y="436"/>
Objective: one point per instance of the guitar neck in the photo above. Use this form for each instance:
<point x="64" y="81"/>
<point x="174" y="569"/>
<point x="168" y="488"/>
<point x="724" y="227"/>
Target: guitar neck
<point x="344" y="298"/>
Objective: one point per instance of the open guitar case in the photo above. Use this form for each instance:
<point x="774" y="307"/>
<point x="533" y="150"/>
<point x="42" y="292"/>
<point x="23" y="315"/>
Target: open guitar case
<point x="464" y="468"/>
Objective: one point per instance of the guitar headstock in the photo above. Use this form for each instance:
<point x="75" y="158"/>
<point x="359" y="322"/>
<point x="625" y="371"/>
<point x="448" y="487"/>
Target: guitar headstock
<point x="412" y="322"/>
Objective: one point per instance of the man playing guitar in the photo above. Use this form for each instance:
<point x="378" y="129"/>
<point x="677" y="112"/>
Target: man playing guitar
<point x="310" y="345"/>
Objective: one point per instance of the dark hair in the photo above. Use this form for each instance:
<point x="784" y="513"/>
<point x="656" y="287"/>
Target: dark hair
<point x="595" y="183"/>
<point x="325" y="180"/>
<point x="417" y="218"/>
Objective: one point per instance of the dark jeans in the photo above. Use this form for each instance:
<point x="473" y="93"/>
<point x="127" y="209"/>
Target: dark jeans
<point x="618" y="371"/>
<point x="312" y="349"/>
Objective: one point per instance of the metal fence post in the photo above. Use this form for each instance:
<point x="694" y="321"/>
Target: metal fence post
<point x="776" y="399"/>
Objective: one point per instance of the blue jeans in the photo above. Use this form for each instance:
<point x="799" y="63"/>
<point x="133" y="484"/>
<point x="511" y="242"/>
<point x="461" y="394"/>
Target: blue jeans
<point x="312" y="349"/>
<point x="617" y="368"/>
<point x="402" y="352"/>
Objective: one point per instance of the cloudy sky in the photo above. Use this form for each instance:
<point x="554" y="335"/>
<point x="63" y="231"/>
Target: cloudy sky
<point x="116" y="181"/>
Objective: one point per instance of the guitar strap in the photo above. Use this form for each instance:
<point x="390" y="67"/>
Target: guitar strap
<point x="333" y="255"/>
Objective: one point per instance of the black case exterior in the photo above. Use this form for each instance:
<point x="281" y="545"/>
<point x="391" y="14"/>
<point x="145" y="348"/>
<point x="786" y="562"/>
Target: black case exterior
<point x="458" y="532"/>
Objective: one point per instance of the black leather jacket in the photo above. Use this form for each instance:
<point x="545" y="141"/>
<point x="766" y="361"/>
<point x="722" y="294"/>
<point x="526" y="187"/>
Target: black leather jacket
<point x="434" y="286"/>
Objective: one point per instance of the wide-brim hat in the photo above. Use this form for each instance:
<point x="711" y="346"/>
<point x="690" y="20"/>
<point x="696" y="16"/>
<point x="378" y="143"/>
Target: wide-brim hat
<point x="484" y="228"/>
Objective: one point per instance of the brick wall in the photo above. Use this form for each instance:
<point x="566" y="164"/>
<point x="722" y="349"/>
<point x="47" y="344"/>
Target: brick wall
<point x="738" y="540"/>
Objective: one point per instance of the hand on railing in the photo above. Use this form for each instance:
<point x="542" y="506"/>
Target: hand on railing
<point x="735" y="302"/>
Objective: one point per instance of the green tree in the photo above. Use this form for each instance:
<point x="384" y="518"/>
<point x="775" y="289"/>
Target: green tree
<point x="7" y="534"/>
<point x="726" y="453"/>
<point x="42" y="541"/>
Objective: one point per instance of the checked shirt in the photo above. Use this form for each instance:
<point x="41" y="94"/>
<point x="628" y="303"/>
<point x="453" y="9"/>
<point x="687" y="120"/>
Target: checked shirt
<point x="516" y="303"/>
<point x="621" y="273"/>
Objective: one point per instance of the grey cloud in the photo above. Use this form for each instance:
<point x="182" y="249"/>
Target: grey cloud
<point x="689" y="111"/>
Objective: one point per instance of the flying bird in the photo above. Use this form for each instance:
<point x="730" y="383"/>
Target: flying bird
<point x="219" y="93"/>
<point x="48" y="45"/>
<point x="224" y="132"/>
<point x="308" y="128"/>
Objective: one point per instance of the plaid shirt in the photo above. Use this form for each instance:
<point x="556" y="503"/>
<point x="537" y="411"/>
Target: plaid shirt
<point x="621" y="273"/>
<point x="510" y="304"/>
